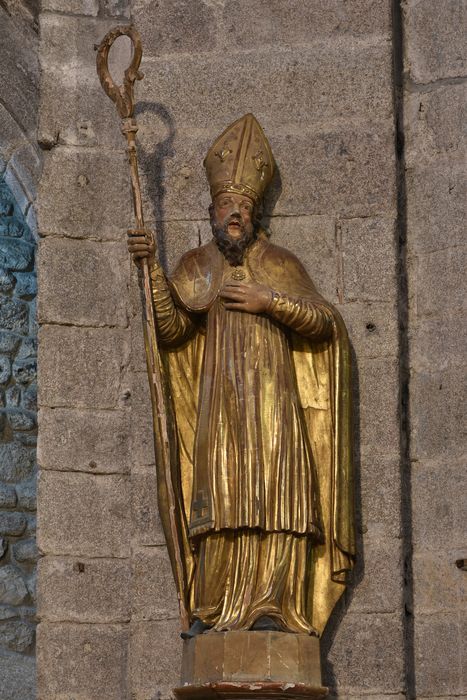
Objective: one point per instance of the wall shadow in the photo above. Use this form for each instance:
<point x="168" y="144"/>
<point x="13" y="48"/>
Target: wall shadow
<point x="327" y="640"/>
<point x="153" y="166"/>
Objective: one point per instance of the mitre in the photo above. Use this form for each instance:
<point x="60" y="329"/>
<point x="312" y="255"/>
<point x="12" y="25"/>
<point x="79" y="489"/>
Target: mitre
<point x="240" y="160"/>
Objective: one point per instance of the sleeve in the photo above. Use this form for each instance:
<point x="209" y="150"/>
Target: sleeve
<point x="307" y="318"/>
<point x="174" y="324"/>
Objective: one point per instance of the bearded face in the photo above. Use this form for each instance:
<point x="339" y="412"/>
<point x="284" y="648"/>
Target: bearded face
<point x="232" y="225"/>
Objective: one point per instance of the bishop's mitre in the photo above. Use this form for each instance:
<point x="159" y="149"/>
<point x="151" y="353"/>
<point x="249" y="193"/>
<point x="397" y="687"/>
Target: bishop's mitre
<point x="240" y="160"/>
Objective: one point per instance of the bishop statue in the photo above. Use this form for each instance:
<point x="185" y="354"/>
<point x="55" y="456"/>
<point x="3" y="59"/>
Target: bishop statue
<point x="258" y="367"/>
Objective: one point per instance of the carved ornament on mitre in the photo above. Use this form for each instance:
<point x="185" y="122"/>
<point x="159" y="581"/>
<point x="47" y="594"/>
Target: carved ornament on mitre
<point x="240" y="160"/>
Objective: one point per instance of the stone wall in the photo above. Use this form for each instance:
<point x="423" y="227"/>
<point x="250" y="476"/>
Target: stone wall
<point x="434" y="111"/>
<point x="19" y="173"/>
<point x="325" y="80"/>
<point x="18" y="345"/>
<point x="85" y="386"/>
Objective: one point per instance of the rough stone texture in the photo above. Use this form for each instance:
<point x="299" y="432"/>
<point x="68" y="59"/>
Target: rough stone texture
<point x="26" y="495"/>
<point x="90" y="273"/>
<point x="439" y="654"/>
<point x="290" y="232"/>
<point x="154" y="596"/>
<point x="380" y="493"/>
<point x="438" y="519"/>
<point x="19" y="73"/>
<point x="435" y="158"/>
<point x="17" y="424"/>
<point x="66" y="527"/>
<point x="79" y="7"/>
<point x="12" y="523"/>
<point x="16" y="462"/>
<point x="20" y="163"/>
<point x="192" y="26"/>
<point x="25" y="551"/>
<point x="435" y="39"/>
<point x="95" y="661"/>
<point x="155" y="659"/>
<point x="377" y="389"/>
<point x="94" y="122"/>
<point x="78" y="209"/>
<point x="365" y="655"/>
<point x="82" y="368"/>
<point x="368" y="251"/>
<point x="16" y="636"/>
<point x="439" y="586"/>
<point x="13" y="590"/>
<point x="142" y="442"/>
<point x="269" y="22"/>
<point x="375" y="593"/>
<point x="438" y="392"/>
<point x="146" y="523"/>
<point x="214" y="78"/>
<point x="84" y="440"/>
<point x="84" y="590"/>
<point x="7" y="496"/>
<point x="372" y="327"/>
<point x="17" y="676"/>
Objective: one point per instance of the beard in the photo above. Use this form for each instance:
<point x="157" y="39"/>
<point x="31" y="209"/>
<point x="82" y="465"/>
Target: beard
<point x="233" y="249"/>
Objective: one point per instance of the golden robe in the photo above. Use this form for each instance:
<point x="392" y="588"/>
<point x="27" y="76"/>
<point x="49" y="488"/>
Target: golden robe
<point x="261" y="458"/>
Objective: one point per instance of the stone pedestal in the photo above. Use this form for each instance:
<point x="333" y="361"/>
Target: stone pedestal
<point x="241" y="665"/>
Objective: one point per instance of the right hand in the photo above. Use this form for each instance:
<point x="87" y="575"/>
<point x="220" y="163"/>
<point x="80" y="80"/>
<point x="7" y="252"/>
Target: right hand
<point x="141" y="245"/>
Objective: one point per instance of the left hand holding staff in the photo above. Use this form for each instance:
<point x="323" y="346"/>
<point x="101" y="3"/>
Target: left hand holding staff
<point x="142" y="247"/>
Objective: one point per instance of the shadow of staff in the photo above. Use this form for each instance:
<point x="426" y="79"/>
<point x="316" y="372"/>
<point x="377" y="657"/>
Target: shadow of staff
<point x="153" y="167"/>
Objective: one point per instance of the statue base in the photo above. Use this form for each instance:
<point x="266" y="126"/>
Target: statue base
<point x="243" y="665"/>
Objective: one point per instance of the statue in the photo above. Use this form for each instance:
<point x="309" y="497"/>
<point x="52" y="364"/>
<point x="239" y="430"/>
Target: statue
<point x="258" y="367"/>
<point x="249" y="371"/>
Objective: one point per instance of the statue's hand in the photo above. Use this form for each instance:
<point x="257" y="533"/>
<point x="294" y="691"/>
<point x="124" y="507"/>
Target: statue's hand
<point x="141" y="245"/>
<point x="246" y="296"/>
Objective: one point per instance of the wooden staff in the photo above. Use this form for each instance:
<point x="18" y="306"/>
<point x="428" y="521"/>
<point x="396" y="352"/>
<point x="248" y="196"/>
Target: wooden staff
<point x="123" y="96"/>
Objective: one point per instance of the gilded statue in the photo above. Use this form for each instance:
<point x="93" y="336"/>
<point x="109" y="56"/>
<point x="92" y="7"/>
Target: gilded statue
<point x="257" y="505"/>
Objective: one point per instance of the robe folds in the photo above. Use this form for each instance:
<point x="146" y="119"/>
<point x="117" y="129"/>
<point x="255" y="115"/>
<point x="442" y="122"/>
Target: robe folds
<point x="261" y="456"/>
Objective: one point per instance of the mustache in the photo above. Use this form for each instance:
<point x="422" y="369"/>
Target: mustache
<point x="233" y="219"/>
<point x="233" y="250"/>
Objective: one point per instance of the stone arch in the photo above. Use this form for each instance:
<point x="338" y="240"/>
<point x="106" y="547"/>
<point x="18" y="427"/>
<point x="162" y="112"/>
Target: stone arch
<point x="20" y="156"/>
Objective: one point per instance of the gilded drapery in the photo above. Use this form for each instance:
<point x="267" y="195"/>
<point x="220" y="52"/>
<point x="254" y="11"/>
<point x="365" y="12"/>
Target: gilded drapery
<point x="302" y="351"/>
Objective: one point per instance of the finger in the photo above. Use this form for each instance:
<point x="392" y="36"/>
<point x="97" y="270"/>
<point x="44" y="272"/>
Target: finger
<point x="142" y="254"/>
<point x="233" y="290"/>
<point x="138" y="246"/>
<point x="236" y="306"/>
<point x="141" y="235"/>
<point x="137" y="241"/>
<point x="235" y="296"/>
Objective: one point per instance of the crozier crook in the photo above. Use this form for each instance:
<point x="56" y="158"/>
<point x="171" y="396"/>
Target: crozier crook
<point x="123" y="97"/>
